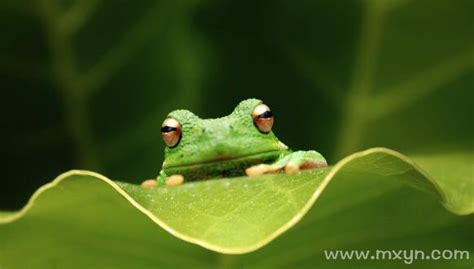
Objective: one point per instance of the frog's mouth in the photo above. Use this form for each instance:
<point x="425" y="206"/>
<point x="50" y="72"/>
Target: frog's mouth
<point x="222" y="166"/>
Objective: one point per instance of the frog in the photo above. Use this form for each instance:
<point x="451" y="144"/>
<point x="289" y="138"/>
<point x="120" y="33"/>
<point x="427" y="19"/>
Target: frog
<point x="239" y="144"/>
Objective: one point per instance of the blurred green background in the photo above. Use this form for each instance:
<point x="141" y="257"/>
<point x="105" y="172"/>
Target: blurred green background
<point x="86" y="84"/>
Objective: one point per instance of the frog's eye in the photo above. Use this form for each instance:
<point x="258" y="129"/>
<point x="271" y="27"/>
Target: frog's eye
<point x="263" y="118"/>
<point x="171" y="132"/>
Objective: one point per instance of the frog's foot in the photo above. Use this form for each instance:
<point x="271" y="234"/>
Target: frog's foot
<point x="149" y="184"/>
<point x="262" y="169"/>
<point x="291" y="163"/>
<point x="174" y="180"/>
<point x="164" y="179"/>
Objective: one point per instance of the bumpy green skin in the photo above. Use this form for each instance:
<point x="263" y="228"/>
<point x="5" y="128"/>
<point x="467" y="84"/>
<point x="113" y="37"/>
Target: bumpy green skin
<point x="225" y="147"/>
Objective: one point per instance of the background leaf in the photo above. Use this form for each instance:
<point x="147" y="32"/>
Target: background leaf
<point x="394" y="73"/>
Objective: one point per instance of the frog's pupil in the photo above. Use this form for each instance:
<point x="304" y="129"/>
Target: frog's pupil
<point x="266" y="114"/>
<point x="167" y="129"/>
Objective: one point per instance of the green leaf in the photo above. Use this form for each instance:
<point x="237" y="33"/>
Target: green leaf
<point x="84" y="219"/>
<point x="454" y="174"/>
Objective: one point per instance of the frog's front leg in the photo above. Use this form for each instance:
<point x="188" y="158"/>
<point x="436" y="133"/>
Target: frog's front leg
<point x="161" y="179"/>
<point x="164" y="179"/>
<point x="291" y="163"/>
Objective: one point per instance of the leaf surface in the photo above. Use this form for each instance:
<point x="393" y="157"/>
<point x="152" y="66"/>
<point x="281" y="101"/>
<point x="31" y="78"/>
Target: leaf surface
<point x="85" y="218"/>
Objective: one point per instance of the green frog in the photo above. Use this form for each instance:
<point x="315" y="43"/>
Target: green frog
<point x="241" y="143"/>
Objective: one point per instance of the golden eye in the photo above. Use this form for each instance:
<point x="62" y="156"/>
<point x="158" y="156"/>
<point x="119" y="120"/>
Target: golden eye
<point x="263" y="118"/>
<point x="171" y="132"/>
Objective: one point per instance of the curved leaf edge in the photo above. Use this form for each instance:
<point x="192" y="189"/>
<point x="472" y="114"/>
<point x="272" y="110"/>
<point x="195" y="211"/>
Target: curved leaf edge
<point x="9" y="217"/>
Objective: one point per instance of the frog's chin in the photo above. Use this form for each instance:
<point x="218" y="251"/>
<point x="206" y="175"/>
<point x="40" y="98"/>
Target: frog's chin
<point x="221" y="167"/>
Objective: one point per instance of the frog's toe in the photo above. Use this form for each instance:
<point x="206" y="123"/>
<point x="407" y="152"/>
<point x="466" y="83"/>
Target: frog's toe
<point x="149" y="183"/>
<point x="292" y="168"/>
<point x="256" y="170"/>
<point x="314" y="164"/>
<point x="260" y="169"/>
<point x="175" y="180"/>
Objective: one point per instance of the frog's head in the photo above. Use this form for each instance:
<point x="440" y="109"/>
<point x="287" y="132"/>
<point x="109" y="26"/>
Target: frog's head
<point x="205" y="148"/>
